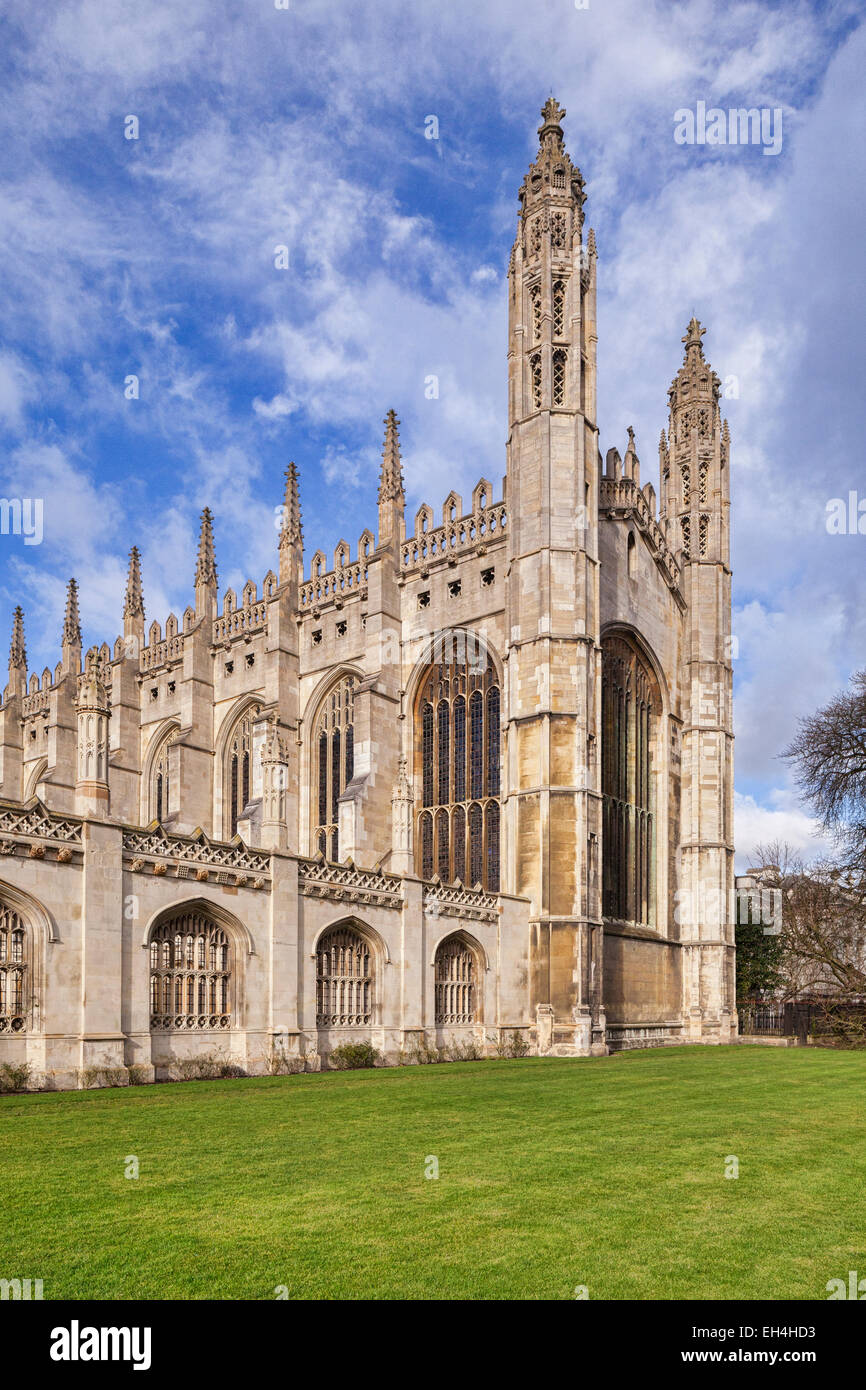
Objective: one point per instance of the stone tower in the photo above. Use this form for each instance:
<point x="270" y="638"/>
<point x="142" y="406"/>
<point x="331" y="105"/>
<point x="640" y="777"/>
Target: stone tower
<point x="695" y="508"/>
<point x="552" y="658"/>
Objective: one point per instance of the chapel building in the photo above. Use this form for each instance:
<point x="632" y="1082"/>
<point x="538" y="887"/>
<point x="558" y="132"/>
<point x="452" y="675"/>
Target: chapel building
<point x="469" y="780"/>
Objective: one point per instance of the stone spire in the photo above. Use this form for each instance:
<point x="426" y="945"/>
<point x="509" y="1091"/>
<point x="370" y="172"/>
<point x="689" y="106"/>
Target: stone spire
<point x="18" y="656"/>
<point x="392" y="498"/>
<point x="71" y="641"/>
<point x="291" y="543"/>
<point x="206" y="570"/>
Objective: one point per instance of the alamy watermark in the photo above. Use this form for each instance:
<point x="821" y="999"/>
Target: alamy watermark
<point x="736" y="126"/>
<point x="22" y="516"/>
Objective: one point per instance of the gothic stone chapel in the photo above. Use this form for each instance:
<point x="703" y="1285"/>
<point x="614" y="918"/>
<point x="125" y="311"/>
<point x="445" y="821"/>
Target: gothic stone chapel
<point x="470" y="782"/>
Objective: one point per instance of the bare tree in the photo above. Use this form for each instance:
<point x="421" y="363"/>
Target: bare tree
<point x="829" y="754"/>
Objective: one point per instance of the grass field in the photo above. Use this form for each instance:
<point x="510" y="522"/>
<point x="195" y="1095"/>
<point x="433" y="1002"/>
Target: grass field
<point x="607" y="1173"/>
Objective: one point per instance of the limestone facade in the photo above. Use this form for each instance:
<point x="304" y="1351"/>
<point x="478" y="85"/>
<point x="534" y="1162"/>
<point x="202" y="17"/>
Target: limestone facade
<point x="472" y="779"/>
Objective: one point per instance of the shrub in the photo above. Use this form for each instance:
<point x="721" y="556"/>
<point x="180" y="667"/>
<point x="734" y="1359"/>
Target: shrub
<point x="470" y="1050"/>
<point x="14" y="1078"/>
<point x="137" y="1074"/>
<point x="90" y="1078"/>
<point x="423" y="1055"/>
<point x="354" y="1056"/>
<point x="512" y="1044"/>
<point x="206" y="1067"/>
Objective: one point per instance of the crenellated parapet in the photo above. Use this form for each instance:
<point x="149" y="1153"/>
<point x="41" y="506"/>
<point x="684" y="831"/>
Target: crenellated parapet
<point x="459" y="534"/>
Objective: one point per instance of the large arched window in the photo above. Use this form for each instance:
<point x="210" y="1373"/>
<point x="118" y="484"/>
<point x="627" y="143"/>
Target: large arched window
<point x="630" y="708"/>
<point x="458" y="742"/>
<point x="455" y="983"/>
<point x="344" y="979"/>
<point x="333" y="765"/>
<point x="239" y="766"/>
<point x="190" y="973"/>
<point x="13" y="971"/>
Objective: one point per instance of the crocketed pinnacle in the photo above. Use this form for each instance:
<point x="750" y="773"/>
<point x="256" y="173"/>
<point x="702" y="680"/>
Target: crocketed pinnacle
<point x="133" y="603"/>
<point x="17" y="649"/>
<point x="71" y="619"/>
<point x="391" y="479"/>
<point x="206" y="570"/>
<point x="291" y="532"/>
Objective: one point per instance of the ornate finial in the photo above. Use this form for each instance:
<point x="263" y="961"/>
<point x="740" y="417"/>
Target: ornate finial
<point x="391" y="478"/>
<point x="71" y="620"/>
<point x="291" y="531"/>
<point x="133" y="603"/>
<point x="206" y="570"/>
<point x="552" y="112"/>
<point x="17" y="649"/>
<point x="693" y="335"/>
<point x="550" y="133"/>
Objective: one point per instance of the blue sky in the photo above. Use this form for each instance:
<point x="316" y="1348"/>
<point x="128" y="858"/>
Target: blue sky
<point x="305" y="127"/>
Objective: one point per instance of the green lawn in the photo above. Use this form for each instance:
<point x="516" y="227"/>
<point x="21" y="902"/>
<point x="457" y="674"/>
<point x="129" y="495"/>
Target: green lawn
<point x="552" y="1174"/>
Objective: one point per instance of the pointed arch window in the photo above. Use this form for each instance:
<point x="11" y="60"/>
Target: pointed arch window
<point x="344" y="979"/>
<point x="703" y="536"/>
<point x="703" y="481"/>
<point x="161" y="789"/>
<point x="559" y="308"/>
<point x="190" y="974"/>
<point x="14" y="965"/>
<point x="455" y="982"/>
<point x="687" y="485"/>
<point x="687" y="536"/>
<point x="334" y="764"/>
<point x="535" y="371"/>
<point x="560" y="358"/>
<point x="535" y="298"/>
<point x="458" y="743"/>
<point x="630" y="710"/>
<point x="240" y="766"/>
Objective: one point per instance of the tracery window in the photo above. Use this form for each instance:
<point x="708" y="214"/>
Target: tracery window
<point x="240" y="766"/>
<point x="535" y="368"/>
<point x="703" y="536"/>
<point x="344" y="979"/>
<point x="687" y="485"/>
<point x="454" y="988"/>
<point x="13" y="971"/>
<point x="559" y="309"/>
<point x="459" y="742"/>
<point x="559" y="361"/>
<point x="334" y="765"/>
<point x="687" y="536"/>
<point x="160" y="779"/>
<point x="704" y="471"/>
<point x="190" y="973"/>
<point x="535" y="297"/>
<point x="630" y="709"/>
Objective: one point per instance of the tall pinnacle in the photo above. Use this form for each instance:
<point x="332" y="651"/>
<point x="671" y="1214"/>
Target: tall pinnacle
<point x="133" y="603"/>
<point x="291" y="532"/>
<point x="72" y="620"/>
<point x="206" y="570"/>
<point x="391" y="478"/>
<point x="17" y="649"/>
